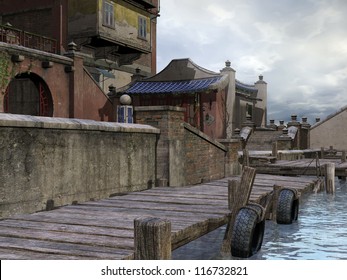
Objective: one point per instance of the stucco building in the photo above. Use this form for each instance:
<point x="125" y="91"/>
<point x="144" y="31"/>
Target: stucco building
<point x="215" y="103"/>
<point x="330" y="131"/>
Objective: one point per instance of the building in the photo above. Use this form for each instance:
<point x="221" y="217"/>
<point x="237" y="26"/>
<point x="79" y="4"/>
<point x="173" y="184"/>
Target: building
<point x="330" y="131"/>
<point x="116" y="36"/>
<point x="44" y="73"/>
<point x="215" y="103"/>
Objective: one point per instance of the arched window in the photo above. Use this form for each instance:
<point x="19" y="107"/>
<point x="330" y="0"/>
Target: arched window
<point x="28" y="94"/>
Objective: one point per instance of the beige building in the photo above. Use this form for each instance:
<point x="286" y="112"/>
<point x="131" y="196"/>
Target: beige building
<point x="330" y="131"/>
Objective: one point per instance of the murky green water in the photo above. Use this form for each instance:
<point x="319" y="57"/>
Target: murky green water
<point x="319" y="234"/>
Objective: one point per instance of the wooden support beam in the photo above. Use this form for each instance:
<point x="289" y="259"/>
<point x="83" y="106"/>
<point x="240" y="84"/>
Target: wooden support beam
<point x="343" y="156"/>
<point x="238" y="195"/>
<point x="152" y="239"/>
<point x="276" y="193"/>
<point x="274" y="149"/>
<point x="330" y="178"/>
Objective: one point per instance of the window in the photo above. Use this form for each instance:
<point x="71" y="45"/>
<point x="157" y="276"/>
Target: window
<point x="108" y="14"/>
<point x="142" y="27"/>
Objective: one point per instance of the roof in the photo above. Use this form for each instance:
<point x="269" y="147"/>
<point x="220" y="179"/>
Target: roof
<point x="245" y="87"/>
<point x="156" y="87"/>
<point x="179" y="76"/>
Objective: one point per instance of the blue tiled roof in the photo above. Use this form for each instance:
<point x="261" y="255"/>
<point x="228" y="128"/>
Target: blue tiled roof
<point x="142" y="87"/>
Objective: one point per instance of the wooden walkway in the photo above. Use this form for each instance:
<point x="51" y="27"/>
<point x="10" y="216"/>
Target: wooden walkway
<point x="105" y="229"/>
<point x="302" y="167"/>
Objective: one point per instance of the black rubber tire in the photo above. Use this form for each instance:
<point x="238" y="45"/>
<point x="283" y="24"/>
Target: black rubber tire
<point x="287" y="207"/>
<point x="247" y="235"/>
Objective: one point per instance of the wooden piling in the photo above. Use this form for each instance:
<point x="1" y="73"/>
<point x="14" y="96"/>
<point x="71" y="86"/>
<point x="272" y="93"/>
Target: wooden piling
<point x="238" y="195"/>
<point x="245" y="158"/>
<point x="343" y="156"/>
<point x="330" y="178"/>
<point x="276" y="194"/>
<point x="152" y="239"/>
<point x="274" y="149"/>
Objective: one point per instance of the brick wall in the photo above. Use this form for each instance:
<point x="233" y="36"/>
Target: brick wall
<point x="204" y="157"/>
<point x="185" y="155"/>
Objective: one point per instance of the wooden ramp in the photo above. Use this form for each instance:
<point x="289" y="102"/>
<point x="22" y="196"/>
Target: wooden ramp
<point x="105" y="229"/>
<point x="302" y="167"/>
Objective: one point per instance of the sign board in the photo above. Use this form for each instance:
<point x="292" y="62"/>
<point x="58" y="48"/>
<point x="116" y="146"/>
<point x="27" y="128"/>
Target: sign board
<point x="245" y="132"/>
<point x="292" y="130"/>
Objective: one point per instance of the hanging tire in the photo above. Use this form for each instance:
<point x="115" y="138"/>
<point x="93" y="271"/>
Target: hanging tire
<point x="248" y="233"/>
<point x="287" y="207"/>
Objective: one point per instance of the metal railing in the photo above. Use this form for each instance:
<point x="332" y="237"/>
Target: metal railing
<point x="11" y="35"/>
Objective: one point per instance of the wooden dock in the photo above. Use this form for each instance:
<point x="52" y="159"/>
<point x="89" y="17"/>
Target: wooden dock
<point x="302" y="167"/>
<point x="105" y="229"/>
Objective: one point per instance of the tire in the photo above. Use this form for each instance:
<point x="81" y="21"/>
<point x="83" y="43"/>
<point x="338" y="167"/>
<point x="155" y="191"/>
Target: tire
<point x="287" y="207"/>
<point x="248" y="233"/>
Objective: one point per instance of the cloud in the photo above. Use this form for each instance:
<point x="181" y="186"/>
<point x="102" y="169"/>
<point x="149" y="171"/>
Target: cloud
<point x="300" y="47"/>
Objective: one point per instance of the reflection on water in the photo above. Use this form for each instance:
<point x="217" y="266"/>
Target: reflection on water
<point x="319" y="234"/>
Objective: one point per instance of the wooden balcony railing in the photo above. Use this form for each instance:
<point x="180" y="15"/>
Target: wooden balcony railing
<point x="11" y="35"/>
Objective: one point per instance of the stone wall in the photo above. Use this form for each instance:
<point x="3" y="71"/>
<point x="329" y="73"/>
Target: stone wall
<point x="330" y="131"/>
<point x="204" y="158"/>
<point x="185" y="155"/>
<point x="45" y="160"/>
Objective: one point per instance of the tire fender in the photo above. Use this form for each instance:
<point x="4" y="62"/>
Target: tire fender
<point x="248" y="231"/>
<point x="287" y="209"/>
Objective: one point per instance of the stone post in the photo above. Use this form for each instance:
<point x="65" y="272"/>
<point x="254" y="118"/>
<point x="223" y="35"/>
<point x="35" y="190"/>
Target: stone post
<point x="295" y="123"/>
<point x="305" y="134"/>
<point x="284" y="142"/>
<point x="234" y="145"/>
<point x="230" y="98"/>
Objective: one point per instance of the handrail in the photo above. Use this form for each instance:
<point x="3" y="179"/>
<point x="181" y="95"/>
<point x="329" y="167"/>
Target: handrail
<point x="15" y="36"/>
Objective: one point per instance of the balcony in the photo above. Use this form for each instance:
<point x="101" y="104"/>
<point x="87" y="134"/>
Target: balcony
<point x="11" y="35"/>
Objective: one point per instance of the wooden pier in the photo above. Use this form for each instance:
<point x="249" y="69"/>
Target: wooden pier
<point x="105" y="229"/>
<point x="301" y="167"/>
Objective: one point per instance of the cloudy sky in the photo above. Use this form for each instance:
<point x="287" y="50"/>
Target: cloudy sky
<point x="299" y="46"/>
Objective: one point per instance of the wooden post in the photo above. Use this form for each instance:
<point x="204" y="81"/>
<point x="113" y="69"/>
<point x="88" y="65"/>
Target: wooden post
<point x="274" y="149"/>
<point x="330" y="178"/>
<point x="239" y="193"/>
<point x="276" y="194"/>
<point x="343" y="156"/>
<point x="322" y="152"/>
<point x="152" y="239"/>
<point x="245" y="157"/>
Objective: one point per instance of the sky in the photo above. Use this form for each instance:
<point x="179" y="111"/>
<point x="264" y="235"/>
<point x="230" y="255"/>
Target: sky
<point x="299" y="46"/>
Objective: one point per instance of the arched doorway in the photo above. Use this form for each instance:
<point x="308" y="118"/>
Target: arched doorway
<point x="28" y="94"/>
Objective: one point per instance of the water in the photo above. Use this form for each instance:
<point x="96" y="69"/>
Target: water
<point x="319" y="234"/>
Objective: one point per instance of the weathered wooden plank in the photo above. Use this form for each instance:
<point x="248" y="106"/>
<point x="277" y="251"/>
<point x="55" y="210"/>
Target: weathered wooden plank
<point x="67" y="237"/>
<point x="77" y="250"/>
<point x="62" y="228"/>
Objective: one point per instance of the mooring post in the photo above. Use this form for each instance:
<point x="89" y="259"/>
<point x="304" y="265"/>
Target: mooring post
<point x="274" y="149"/>
<point x="238" y="196"/>
<point x="343" y="156"/>
<point x="276" y="194"/>
<point x="330" y="178"/>
<point x="152" y="239"/>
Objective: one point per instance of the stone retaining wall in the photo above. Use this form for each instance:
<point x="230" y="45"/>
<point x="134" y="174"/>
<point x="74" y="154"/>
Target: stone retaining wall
<point x="45" y="161"/>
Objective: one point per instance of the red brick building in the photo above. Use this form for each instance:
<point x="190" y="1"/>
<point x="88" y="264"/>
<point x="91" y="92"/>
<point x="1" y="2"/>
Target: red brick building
<point x="43" y="77"/>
